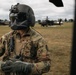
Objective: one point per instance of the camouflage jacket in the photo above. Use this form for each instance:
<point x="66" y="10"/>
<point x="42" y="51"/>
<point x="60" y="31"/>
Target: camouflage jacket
<point x="31" y="48"/>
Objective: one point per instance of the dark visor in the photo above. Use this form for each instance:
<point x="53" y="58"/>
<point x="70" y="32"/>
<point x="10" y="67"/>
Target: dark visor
<point x="19" y="17"/>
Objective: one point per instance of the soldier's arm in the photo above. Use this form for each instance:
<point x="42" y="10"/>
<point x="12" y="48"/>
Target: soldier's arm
<point x="2" y="45"/>
<point x="44" y="61"/>
<point x="4" y="42"/>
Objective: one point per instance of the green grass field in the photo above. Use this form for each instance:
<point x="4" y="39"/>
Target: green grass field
<point x="59" y="40"/>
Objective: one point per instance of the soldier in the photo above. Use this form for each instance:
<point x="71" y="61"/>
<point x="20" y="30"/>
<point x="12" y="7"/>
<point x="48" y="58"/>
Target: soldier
<point x="23" y="50"/>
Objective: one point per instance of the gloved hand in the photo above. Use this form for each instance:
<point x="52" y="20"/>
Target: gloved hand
<point x="17" y="67"/>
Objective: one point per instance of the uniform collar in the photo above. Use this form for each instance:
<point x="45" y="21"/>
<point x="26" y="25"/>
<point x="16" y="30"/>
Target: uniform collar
<point x="28" y="33"/>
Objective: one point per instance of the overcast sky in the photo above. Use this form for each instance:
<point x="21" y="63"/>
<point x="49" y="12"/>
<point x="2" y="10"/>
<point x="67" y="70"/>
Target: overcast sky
<point x="42" y="8"/>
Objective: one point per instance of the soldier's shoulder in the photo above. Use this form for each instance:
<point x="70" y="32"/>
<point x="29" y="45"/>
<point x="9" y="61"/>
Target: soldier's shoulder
<point x="7" y="35"/>
<point x="36" y="36"/>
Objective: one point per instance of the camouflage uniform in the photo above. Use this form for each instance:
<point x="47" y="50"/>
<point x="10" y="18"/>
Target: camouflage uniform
<point x="31" y="48"/>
